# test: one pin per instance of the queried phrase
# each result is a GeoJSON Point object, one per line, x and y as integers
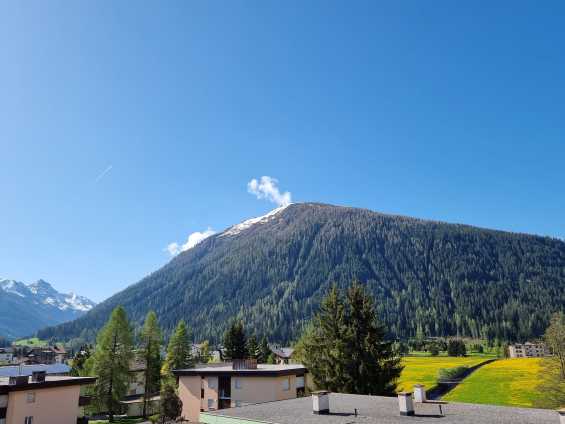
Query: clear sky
{"type": "Point", "coordinates": [126, 126]}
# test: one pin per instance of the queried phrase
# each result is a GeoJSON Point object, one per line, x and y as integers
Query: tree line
{"type": "Point", "coordinates": [115, 352]}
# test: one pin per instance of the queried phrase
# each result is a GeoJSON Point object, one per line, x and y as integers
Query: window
{"type": "Point", "coordinates": [210, 404]}
{"type": "Point", "coordinates": [237, 403]}
{"type": "Point", "coordinates": [237, 383]}
{"type": "Point", "coordinates": [286, 384]}
{"type": "Point", "coordinates": [300, 381]}
{"type": "Point", "coordinates": [202, 393]}
{"type": "Point", "coordinates": [212, 382]}
{"type": "Point", "coordinates": [28, 420]}
{"type": "Point", "coordinates": [30, 397]}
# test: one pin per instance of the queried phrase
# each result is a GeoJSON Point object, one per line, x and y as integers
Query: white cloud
{"type": "Point", "coordinates": [193, 239]}
{"type": "Point", "coordinates": [267, 188]}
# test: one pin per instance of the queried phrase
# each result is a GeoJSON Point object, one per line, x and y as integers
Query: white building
{"type": "Point", "coordinates": [528, 350]}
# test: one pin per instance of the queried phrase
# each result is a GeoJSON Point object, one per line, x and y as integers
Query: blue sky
{"type": "Point", "coordinates": [127, 126]}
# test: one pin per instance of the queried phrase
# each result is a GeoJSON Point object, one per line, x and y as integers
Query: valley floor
{"type": "Point", "coordinates": [424, 369]}
{"type": "Point", "coordinates": [507, 382]}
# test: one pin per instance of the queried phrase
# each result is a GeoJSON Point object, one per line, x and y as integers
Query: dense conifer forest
{"type": "Point", "coordinates": [428, 278]}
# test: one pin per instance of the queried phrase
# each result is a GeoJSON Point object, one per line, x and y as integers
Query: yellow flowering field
{"type": "Point", "coordinates": [509, 382]}
{"type": "Point", "coordinates": [424, 369]}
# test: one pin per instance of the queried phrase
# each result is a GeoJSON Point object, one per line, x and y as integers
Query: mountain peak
{"type": "Point", "coordinates": [242, 226]}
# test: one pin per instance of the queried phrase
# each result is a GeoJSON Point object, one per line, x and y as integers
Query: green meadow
{"type": "Point", "coordinates": [33, 341]}
{"type": "Point", "coordinates": [424, 369]}
{"type": "Point", "coordinates": [507, 382]}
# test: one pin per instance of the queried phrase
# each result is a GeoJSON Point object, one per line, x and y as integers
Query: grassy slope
{"type": "Point", "coordinates": [424, 369]}
{"type": "Point", "coordinates": [34, 341]}
{"type": "Point", "coordinates": [509, 382]}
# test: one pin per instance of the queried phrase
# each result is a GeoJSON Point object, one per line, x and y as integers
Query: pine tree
{"type": "Point", "coordinates": [179, 352]}
{"type": "Point", "coordinates": [170, 404]}
{"type": "Point", "coordinates": [252, 347]}
{"type": "Point", "coordinates": [372, 365]}
{"type": "Point", "coordinates": [263, 351]}
{"type": "Point", "coordinates": [150, 353]}
{"type": "Point", "coordinates": [235, 342]}
{"type": "Point", "coordinates": [322, 346]}
{"type": "Point", "coordinates": [111, 361]}
{"type": "Point", "coordinates": [344, 347]}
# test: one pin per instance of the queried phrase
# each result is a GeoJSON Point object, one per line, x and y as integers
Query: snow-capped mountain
{"type": "Point", "coordinates": [24, 308]}
{"type": "Point", "coordinates": [238, 228]}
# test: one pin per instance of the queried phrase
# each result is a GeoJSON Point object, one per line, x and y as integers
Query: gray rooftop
{"type": "Point", "coordinates": [14, 370]}
{"type": "Point", "coordinates": [227, 368]}
{"type": "Point", "coordinates": [384, 410]}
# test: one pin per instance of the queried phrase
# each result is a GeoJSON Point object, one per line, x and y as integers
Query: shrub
{"type": "Point", "coordinates": [451, 373]}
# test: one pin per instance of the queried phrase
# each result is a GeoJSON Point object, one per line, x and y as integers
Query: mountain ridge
{"type": "Point", "coordinates": [28, 307]}
{"type": "Point", "coordinates": [428, 276]}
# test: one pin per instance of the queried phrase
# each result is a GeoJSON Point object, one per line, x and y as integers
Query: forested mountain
{"type": "Point", "coordinates": [427, 277]}
{"type": "Point", "coordinates": [25, 308]}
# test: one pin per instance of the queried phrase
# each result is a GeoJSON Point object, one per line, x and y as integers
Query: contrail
{"type": "Point", "coordinates": [103, 174]}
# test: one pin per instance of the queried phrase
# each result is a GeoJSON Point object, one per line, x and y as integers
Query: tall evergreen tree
{"type": "Point", "coordinates": [345, 349]}
{"type": "Point", "coordinates": [170, 404]}
{"type": "Point", "coordinates": [150, 353]}
{"type": "Point", "coordinates": [235, 342]}
{"type": "Point", "coordinates": [372, 365]}
{"type": "Point", "coordinates": [252, 347]}
{"type": "Point", "coordinates": [322, 346]}
{"type": "Point", "coordinates": [179, 352]}
{"type": "Point", "coordinates": [263, 351]}
{"type": "Point", "coordinates": [111, 361]}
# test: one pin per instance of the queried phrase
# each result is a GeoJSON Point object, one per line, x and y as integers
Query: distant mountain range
{"type": "Point", "coordinates": [25, 308]}
{"type": "Point", "coordinates": [428, 278]}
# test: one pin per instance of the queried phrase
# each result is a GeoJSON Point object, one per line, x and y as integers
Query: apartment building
{"type": "Point", "coordinates": [133, 402]}
{"type": "Point", "coordinates": [236, 384]}
{"type": "Point", "coordinates": [528, 350]}
{"type": "Point", "coordinates": [41, 399]}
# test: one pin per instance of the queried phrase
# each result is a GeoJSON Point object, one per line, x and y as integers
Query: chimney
{"type": "Point", "coordinates": [561, 413]}
{"type": "Point", "coordinates": [38, 376]}
{"type": "Point", "coordinates": [405, 404]}
{"type": "Point", "coordinates": [18, 380]}
{"type": "Point", "coordinates": [419, 393]}
{"type": "Point", "coordinates": [321, 402]}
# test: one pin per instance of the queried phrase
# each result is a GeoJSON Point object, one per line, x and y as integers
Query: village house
{"type": "Point", "coordinates": [39, 355]}
{"type": "Point", "coordinates": [41, 399]}
{"type": "Point", "coordinates": [235, 384]}
{"type": "Point", "coordinates": [528, 350]}
{"type": "Point", "coordinates": [283, 355]}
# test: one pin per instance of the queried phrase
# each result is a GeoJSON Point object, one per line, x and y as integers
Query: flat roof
{"type": "Point", "coordinates": [263, 370]}
{"type": "Point", "coordinates": [14, 370]}
{"type": "Point", "coordinates": [50, 381]}
{"type": "Point", "coordinates": [384, 410]}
